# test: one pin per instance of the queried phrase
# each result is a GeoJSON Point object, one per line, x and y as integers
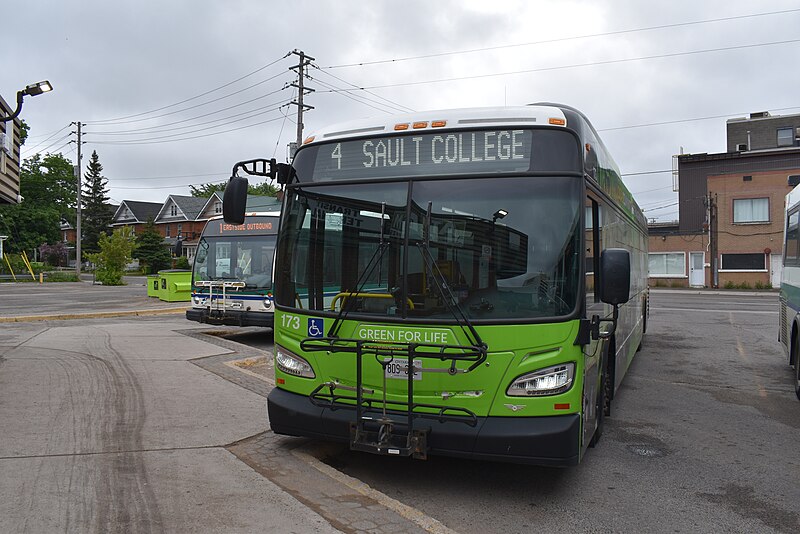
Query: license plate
{"type": "Point", "coordinates": [398, 368]}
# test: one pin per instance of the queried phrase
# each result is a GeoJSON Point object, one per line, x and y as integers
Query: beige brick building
{"type": "Point", "coordinates": [731, 210]}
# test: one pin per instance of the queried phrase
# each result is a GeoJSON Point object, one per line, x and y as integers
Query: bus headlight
{"type": "Point", "coordinates": [292, 364]}
{"type": "Point", "coordinates": [549, 381]}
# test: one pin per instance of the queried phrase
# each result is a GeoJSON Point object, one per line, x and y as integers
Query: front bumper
{"type": "Point", "coordinates": [231, 317]}
{"type": "Point", "coordinates": [552, 441]}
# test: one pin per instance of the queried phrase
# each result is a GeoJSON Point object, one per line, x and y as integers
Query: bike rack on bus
{"type": "Point", "coordinates": [216, 301]}
{"type": "Point", "coordinates": [377, 434]}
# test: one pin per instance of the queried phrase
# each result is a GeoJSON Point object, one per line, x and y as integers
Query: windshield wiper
{"type": "Point", "coordinates": [374, 261]}
{"type": "Point", "coordinates": [450, 301]}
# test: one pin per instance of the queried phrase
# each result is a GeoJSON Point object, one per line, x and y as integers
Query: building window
{"type": "Point", "coordinates": [667, 264]}
{"type": "Point", "coordinates": [785, 137]}
{"type": "Point", "coordinates": [180, 230]}
{"type": "Point", "coordinates": [217, 207]}
{"type": "Point", "coordinates": [744, 262]}
{"type": "Point", "coordinates": [751, 210]}
{"type": "Point", "coordinates": [166, 231]}
{"type": "Point", "coordinates": [173, 211]}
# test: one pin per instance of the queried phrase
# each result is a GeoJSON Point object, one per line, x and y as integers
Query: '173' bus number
{"type": "Point", "coordinates": [291, 321]}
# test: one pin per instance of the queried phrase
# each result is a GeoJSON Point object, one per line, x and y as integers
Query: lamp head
{"type": "Point", "coordinates": [35, 89]}
{"type": "Point", "coordinates": [499, 214]}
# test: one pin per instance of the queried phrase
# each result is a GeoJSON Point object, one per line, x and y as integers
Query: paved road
{"type": "Point", "coordinates": [69, 298]}
{"type": "Point", "coordinates": [704, 437]}
{"type": "Point", "coordinates": [109, 427]}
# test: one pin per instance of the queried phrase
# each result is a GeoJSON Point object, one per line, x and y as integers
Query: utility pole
{"type": "Point", "coordinates": [303, 62]}
{"type": "Point", "coordinates": [78, 205]}
{"type": "Point", "coordinates": [713, 237]}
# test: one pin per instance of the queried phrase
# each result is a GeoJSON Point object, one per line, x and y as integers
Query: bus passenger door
{"type": "Point", "coordinates": [593, 352]}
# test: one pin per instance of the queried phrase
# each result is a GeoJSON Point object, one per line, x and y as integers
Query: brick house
{"type": "Point", "coordinates": [731, 209]}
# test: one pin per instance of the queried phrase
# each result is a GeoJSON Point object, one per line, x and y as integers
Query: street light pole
{"type": "Point", "coordinates": [33, 89]}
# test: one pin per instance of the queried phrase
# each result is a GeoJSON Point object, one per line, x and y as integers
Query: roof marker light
{"type": "Point", "coordinates": [420, 124]}
{"type": "Point", "coordinates": [439, 124]}
{"type": "Point", "coordinates": [557, 122]}
{"type": "Point", "coordinates": [308, 140]}
{"type": "Point", "coordinates": [403, 126]}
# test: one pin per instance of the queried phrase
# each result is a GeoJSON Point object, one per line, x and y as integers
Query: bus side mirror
{"type": "Point", "coordinates": [615, 276]}
{"type": "Point", "coordinates": [283, 173]}
{"type": "Point", "coordinates": [234, 201]}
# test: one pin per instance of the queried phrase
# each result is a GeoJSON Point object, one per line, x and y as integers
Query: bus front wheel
{"type": "Point", "coordinates": [797, 377]}
{"type": "Point", "coordinates": [603, 398]}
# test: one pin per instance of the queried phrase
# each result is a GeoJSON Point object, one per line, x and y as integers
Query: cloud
{"type": "Point", "coordinates": [111, 60]}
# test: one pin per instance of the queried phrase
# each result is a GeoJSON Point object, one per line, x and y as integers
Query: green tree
{"type": "Point", "coordinates": [206, 190]}
{"type": "Point", "coordinates": [115, 254]}
{"type": "Point", "coordinates": [150, 249]}
{"type": "Point", "coordinates": [96, 210]}
{"type": "Point", "coordinates": [48, 188]}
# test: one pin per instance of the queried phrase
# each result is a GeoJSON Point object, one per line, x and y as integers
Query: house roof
{"type": "Point", "coordinates": [190, 207]}
{"type": "Point", "coordinates": [141, 211]}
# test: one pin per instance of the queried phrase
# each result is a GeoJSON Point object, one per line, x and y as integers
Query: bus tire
{"type": "Point", "coordinates": [796, 351]}
{"type": "Point", "coordinates": [797, 380]}
{"type": "Point", "coordinates": [600, 402]}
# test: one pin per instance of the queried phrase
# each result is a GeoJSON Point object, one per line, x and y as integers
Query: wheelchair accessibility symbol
{"type": "Point", "coordinates": [316, 327]}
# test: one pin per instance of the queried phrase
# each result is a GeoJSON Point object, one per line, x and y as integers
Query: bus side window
{"type": "Point", "coordinates": [792, 248]}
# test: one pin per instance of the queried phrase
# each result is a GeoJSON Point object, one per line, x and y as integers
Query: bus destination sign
{"type": "Point", "coordinates": [494, 151]}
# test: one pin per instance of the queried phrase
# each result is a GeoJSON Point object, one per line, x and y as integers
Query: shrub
{"type": "Point", "coordinates": [182, 262]}
{"type": "Point", "coordinates": [730, 285]}
{"type": "Point", "coordinates": [745, 285]}
{"type": "Point", "coordinates": [759, 285]}
{"type": "Point", "coordinates": [55, 254]}
{"type": "Point", "coordinates": [62, 276]}
{"type": "Point", "coordinates": [114, 255]}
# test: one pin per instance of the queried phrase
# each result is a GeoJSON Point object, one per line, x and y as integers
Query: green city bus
{"type": "Point", "coordinates": [469, 282]}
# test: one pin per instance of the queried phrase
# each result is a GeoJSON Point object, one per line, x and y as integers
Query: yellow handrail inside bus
{"type": "Point", "coordinates": [345, 295]}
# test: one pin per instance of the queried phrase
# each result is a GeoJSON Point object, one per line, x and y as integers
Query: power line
{"type": "Point", "coordinates": [393, 105]}
{"type": "Point", "coordinates": [46, 140]}
{"type": "Point", "coordinates": [573, 66]}
{"type": "Point", "coordinates": [662, 123]}
{"type": "Point", "coordinates": [176, 186]}
{"type": "Point", "coordinates": [198, 96]}
{"type": "Point", "coordinates": [164, 140]}
{"type": "Point", "coordinates": [137, 178]}
{"type": "Point", "coordinates": [249, 115]}
{"type": "Point", "coordinates": [99, 123]}
{"type": "Point", "coordinates": [562, 39]}
{"type": "Point", "coordinates": [358, 99]}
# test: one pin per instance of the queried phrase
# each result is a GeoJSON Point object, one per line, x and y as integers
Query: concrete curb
{"type": "Point", "coordinates": [91, 315]}
{"type": "Point", "coordinates": [769, 293]}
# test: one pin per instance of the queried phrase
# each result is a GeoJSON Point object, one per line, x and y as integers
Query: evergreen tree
{"type": "Point", "coordinates": [97, 214]}
{"type": "Point", "coordinates": [150, 249]}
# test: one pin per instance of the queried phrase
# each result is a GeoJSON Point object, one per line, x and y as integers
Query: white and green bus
{"type": "Point", "coordinates": [466, 282]}
{"type": "Point", "coordinates": [232, 272]}
{"type": "Point", "coordinates": [789, 331]}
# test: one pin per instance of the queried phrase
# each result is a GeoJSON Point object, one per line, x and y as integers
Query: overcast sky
{"type": "Point", "coordinates": [652, 77]}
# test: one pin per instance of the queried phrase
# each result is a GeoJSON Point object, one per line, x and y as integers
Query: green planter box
{"type": "Point", "coordinates": [153, 285]}
{"type": "Point", "coordinates": [175, 285]}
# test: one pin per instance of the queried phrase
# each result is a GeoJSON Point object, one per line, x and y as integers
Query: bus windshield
{"type": "Point", "coordinates": [500, 248]}
{"type": "Point", "coordinates": [247, 259]}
